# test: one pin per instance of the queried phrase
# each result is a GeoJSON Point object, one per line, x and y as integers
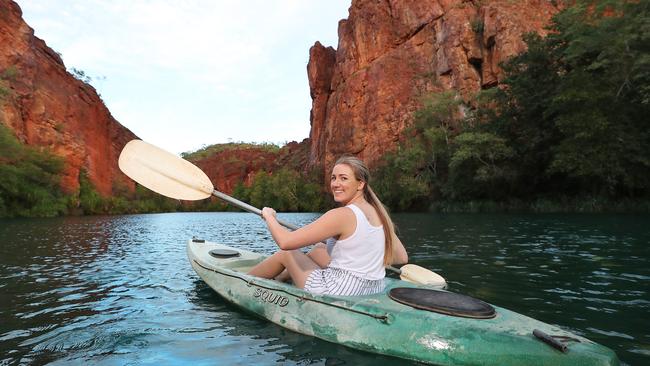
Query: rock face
{"type": "Point", "coordinates": [239, 165]}
{"type": "Point", "coordinates": [393, 52]}
{"type": "Point", "coordinates": [229, 167]}
{"type": "Point", "coordinates": [47, 106]}
{"type": "Point", "coordinates": [364, 93]}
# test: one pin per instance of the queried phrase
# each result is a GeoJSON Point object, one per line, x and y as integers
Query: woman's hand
{"type": "Point", "coordinates": [268, 212]}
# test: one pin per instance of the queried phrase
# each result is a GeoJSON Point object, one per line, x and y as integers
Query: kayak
{"type": "Point", "coordinates": [388, 324]}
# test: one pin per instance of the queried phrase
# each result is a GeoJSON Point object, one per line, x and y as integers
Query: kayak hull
{"type": "Point", "coordinates": [377, 324]}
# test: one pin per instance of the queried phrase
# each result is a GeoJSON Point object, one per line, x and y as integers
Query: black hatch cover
{"type": "Point", "coordinates": [443, 302]}
{"type": "Point", "coordinates": [224, 253]}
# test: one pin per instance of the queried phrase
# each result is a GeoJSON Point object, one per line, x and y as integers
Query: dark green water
{"type": "Point", "coordinates": [119, 290]}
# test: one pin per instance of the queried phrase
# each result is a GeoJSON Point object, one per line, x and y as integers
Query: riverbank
{"type": "Point", "coordinates": [551, 205]}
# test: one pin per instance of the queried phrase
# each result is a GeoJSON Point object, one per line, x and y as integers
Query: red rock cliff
{"type": "Point", "coordinates": [392, 52]}
{"type": "Point", "coordinates": [239, 165]}
{"type": "Point", "coordinates": [47, 106]}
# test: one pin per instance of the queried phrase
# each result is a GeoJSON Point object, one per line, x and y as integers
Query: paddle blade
{"type": "Point", "coordinates": [164, 172]}
{"type": "Point", "coordinates": [417, 274]}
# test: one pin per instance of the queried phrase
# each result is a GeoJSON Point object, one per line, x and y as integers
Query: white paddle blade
{"type": "Point", "coordinates": [164, 172]}
{"type": "Point", "coordinates": [417, 274]}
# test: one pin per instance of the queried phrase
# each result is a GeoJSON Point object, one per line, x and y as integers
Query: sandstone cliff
{"type": "Point", "coordinates": [47, 106]}
{"type": "Point", "coordinates": [239, 165]}
{"type": "Point", "coordinates": [392, 52]}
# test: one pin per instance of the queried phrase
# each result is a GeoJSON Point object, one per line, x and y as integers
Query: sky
{"type": "Point", "coordinates": [186, 74]}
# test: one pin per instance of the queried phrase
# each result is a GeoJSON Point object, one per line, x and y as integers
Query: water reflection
{"type": "Point", "coordinates": [116, 290]}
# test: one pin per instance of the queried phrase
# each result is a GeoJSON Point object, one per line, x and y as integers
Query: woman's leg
{"type": "Point", "coordinates": [296, 263]}
{"type": "Point", "coordinates": [318, 254]}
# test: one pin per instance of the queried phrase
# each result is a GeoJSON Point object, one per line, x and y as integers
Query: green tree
{"type": "Point", "coordinates": [603, 100]}
{"type": "Point", "coordinates": [260, 193]}
{"type": "Point", "coordinates": [90, 201]}
{"type": "Point", "coordinates": [574, 107]}
{"type": "Point", "coordinates": [522, 117]}
{"type": "Point", "coordinates": [284, 190]}
{"type": "Point", "coordinates": [478, 167]}
{"type": "Point", "coordinates": [416, 173]}
{"type": "Point", "coordinates": [29, 179]}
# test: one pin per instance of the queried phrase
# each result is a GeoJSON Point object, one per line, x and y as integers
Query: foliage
{"type": "Point", "coordinates": [81, 75]}
{"type": "Point", "coordinates": [568, 126]}
{"type": "Point", "coordinates": [420, 166]}
{"type": "Point", "coordinates": [90, 201]}
{"type": "Point", "coordinates": [30, 186]}
{"type": "Point", "coordinates": [4, 90]}
{"type": "Point", "coordinates": [604, 97]}
{"type": "Point", "coordinates": [478, 26]}
{"type": "Point", "coordinates": [402, 182]}
{"type": "Point", "coordinates": [146, 201]}
{"type": "Point", "coordinates": [577, 102]}
{"type": "Point", "coordinates": [216, 148]}
{"type": "Point", "coordinates": [29, 179]}
{"type": "Point", "coordinates": [8, 74]}
{"type": "Point", "coordinates": [284, 190]}
{"type": "Point", "coordinates": [477, 168]}
{"type": "Point", "coordinates": [142, 200]}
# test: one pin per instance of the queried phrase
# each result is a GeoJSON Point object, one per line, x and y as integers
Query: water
{"type": "Point", "coordinates": [119, 290]}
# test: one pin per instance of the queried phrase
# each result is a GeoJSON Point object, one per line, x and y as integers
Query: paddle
{"type": "Point", "coordinates": [174, 177]}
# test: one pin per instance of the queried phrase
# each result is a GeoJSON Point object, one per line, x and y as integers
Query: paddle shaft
{"type": "Point", "coordinates": [246, 207]}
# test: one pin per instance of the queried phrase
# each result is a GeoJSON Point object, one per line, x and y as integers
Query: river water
{"type": "Point", "coordinates": [116, 290]}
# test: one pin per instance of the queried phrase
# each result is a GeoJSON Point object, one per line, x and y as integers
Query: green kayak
{"type": "Point", "coordinates": [389, 325]}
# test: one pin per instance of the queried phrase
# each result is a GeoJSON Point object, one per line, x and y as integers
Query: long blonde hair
{"type": "Point", "coordinates": [362, 173]}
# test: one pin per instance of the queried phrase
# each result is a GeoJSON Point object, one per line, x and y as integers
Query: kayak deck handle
{"type": "Point", "coordinates": [553, 340]}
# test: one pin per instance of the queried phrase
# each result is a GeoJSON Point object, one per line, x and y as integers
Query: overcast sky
{"type": "Point", "coordinates": [182, 74]}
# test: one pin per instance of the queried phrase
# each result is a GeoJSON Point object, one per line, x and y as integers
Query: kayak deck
{"type": "Point", "coordinates": [375, 323]}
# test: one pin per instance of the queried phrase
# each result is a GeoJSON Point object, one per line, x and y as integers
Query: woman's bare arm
{"type": "Point", "coordinates": [399, 252]}
{"type": "Point", "coordinates": [332, 224]}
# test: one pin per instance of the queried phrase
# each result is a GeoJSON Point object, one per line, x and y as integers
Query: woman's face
{"type": "Point", "coordinates": [344, 184]}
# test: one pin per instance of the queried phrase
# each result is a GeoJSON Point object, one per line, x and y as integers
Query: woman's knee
{"type": "Point", "coordinates": [284, 256]}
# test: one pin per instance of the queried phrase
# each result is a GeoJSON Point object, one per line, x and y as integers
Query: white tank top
{"type": "Point", "coordinates": [362, 253]}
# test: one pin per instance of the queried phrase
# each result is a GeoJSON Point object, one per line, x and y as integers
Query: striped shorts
{"type": "Point", "coordinates": [336, 281]}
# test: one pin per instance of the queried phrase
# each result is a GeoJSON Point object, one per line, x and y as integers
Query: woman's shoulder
{"type": "Point", "coordinates": [338, 215]}
{"type": "Point", "coordinates": [344, 211]}
{"type": "Point", "coordinates": [335, 221]}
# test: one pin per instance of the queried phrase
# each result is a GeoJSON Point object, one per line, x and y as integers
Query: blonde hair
{"type": "Point", "coordinates": [362, 173]}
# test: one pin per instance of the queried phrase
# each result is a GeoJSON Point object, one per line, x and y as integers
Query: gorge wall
{"type": "Point", "coordinates": [47, 106]}
{"type": "Point", "coordinates": [391, 53]}
{"type": "Point", "coordinates": [239, 165]}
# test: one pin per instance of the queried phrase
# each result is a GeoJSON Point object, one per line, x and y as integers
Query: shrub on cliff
{"type": "Point", "coordinates": [29, 179]}
{"type": "Point", "coordinates": [7, 75]}
{"type": "Point", "coordinates": [210, 150]}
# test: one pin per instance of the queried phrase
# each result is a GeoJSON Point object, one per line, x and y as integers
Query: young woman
{"type": "Point", "coordinates": [360, 239]}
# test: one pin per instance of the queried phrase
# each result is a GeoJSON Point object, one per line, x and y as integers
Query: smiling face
{"type": "Point", "coordinates": [344, 184]}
